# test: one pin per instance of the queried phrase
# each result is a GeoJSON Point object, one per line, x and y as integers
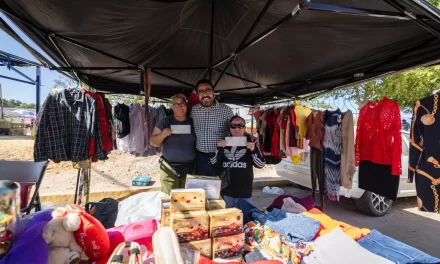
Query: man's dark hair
{"type": "Point", "coordinates": [204, 81]}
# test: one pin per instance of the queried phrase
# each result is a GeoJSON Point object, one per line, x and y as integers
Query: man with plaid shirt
{"type": "Point", "coordinates": [211, 121]}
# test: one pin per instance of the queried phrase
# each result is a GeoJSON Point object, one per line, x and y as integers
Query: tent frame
{"type": "Point", "coordinates": [401, 13]}
{"type": "Point", "coordinates": [37, 82]}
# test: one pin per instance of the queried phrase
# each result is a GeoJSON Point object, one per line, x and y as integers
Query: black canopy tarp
{"type": "Point", "coordinates": [278, 48]}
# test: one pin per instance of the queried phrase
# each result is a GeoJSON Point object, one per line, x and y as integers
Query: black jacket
{"type": "Point", "coordinates": [122, 120]}
{"type": "Point", "coordinates": [240, 160]}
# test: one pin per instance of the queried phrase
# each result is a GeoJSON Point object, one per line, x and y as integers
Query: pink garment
{"type": "Point", "coordinates": [291, 206]}
{"type": "Point", "coordinates": [307, 201]}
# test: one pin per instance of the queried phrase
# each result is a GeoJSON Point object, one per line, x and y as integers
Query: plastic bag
{"type": "Point", "coordinates": [140, 207]}
{"type": "Point", "coordinates": [189, 256]}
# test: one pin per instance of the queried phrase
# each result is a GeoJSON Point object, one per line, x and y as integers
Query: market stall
{"type": "Point", "coordinates": [254, 52]}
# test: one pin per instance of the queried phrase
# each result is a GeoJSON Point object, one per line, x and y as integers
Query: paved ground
{"type": "Point", "coordinates": [404, 222]}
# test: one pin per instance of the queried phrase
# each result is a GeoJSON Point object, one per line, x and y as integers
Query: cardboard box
{"type": "Point", "coordinates": [226, 222]}
{"type": "Point", "coordinates": [190, 225]}
{"type": "Point", "coordinates": [228, 247]}
{"type": "Point", "coordinates": [215, 205]}
{"type": "Point", "coordinates": [165, 210]}
{"type": "Point", "coordinates": [204, 246]}
{"type": "Point", "coordinates": [141, 181]}
{"type": "Point", "coordinates": [188, 200]}
{"type": "Point", "coordinates": [212, 185]}
{"type": "Point", "coordinates": [165, 215]}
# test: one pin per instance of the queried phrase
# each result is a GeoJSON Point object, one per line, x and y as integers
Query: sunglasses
{"type": "Point", "coordinates": [233, 126]}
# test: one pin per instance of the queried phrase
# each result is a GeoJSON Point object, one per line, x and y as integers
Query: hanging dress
{"type": "Point", "coordinates": [332, 154]}
{"type": "Point", "coordinates": [424, 153]}
{"type": "Point", "coordinates": [379, 148]}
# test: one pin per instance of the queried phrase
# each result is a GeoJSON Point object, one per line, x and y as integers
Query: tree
{"type": "Point", "coordinates": [405, 88]}
{"type": "Point", "coordinates": [63, 82]}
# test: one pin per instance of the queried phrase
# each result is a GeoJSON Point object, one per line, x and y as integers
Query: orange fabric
{"type": "Point", "coordinates": [204, 260]}
{"type": "Point", "coordinates": [328, 224]}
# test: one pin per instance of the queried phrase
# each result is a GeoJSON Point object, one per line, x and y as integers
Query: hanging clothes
{"type": "Point", "coordinates": [301, 114]}
{"type": "Point", "coordinates": [106, 139]}
{"type": "Point", "coordinates": [152, 120]}
{"type": "Point", "coordinates": [66, 125]}
{"type": "Point", "coordinates": [315, 135]}
{"type": "Point", "coordinates": [122, 120]}
{"type": "Point", "coordinates": [348, 157]}
{"type": "Point", "coordinates": [134, 142]}
{"type": "Point", "coordinates": [424, 153]}
{"type": "Point", "coordinates": [379, 148]}
{"type": "Point", "coordinates": [332, 154]}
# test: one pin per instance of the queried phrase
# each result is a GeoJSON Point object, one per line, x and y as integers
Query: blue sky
{"type": "Point", "coordinates": [21, 91]}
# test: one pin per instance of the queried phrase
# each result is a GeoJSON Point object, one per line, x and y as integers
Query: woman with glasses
{"type": "Point", "coordinates": [175, 135]}
{"type": "Point", "coordinates": [240, 161]}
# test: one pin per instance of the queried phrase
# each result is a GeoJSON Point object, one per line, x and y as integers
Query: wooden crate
{"type": "Point", "coordinates": [18, 132]}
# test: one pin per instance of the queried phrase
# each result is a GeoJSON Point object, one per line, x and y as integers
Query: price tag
{"type": "Point", "coordinates": [181, 129]}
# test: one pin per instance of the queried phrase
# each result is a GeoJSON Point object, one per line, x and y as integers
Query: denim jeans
{"type": "Point", "coordinates": [394, 250]}
{"type": "Point", "coordinates": [247, 209]}
{"type": "Point", "coordinates": [232, 201]}
{"type": "Point", "coordinates": [294, 227]}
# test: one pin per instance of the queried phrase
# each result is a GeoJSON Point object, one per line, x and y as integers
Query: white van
{"type": "Point", "coordinates": [367, 202]}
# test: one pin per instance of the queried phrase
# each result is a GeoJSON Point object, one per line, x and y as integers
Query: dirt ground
{"type": "Point", "coordinates": [111, 175]}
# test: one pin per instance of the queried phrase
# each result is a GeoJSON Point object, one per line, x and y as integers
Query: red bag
{"type": "Point", "coordinates": [91, 236]}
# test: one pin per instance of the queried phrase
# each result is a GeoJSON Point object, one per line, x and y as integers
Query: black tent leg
{"type": "Point", "coordinates": [211, 50]}
{"type": "Point", "coordinates": [398, 6]}
{"type": "Point", "coordinates": [248, 35]}
{"type": "Point", "coordinates": [76, 188]}
{"type": "Point", "coordinates": [71, 41]}
{"type": "Point", "coordinates": [174, 79]}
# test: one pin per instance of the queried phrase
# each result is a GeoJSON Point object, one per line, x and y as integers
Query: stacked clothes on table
{"type": "Point", "coordinates": [312, 237]}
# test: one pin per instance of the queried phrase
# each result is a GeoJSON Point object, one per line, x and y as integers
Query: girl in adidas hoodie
{"type": "Point", "coordinates": [240, 161]}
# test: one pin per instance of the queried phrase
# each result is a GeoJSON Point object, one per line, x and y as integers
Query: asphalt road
{"type": "Point", "coordinates": [404, 223]}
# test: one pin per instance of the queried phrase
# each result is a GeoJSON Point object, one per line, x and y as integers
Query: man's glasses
{"type": "Point", "coordinates": [179, 105]}
{"type": "Point", "coordinates": [201, 92]}
{"type": "Point", "coordinates": [233, 126]}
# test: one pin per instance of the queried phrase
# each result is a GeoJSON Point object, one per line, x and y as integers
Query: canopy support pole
{"type": "Point", "coordinates": [71, 41]}
{"type": "Point", "coordinates": [38, 89]}
{"type": "Point", "coordinates": [242, 44]}
{"type": "Point", "coordinates": [173, 79]}
{"type": "Point", "coordinates": [414, 17]}
{"type": "Point", "coordinates": [211, 46]}
{"type": "Point", "coordinates": [62, 55]}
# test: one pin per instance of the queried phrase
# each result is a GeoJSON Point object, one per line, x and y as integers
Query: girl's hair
{"type": "Point", "coordinates": [237, 117]}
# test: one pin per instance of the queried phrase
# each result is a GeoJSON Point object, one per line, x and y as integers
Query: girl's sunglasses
{"type": "Point", "coordinates": [241, 126]}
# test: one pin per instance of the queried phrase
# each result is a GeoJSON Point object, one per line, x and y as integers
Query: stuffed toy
{"type": "Point", "coordinates": [91, 235]}
{"type": "Point", "coordinates": [58, 234]}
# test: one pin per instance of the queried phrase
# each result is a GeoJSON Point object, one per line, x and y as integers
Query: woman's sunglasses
{"type": "Point", "coordinates": [241, 126]}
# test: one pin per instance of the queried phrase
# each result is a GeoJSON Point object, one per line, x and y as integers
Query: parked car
{"type": "Point", "coordinates": [367, 202]}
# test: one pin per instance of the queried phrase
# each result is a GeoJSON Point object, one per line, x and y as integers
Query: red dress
{"type": "Point", "coordinates": [378, 137]}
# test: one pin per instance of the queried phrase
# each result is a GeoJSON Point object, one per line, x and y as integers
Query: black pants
{"type": "Point", "coordinates": [317, 173]}
{"type": "Point", "coordinates": [204, 166]}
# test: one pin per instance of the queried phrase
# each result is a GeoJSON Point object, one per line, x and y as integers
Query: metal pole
{"type": "Point", "coordinates": [211, 49]}
{"type": "Point", "coordinates": [1, 100]}
{"type": "Point", "coordinates": [252, 121]}
{"type": "Point", "coordinates": [38, 81]}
